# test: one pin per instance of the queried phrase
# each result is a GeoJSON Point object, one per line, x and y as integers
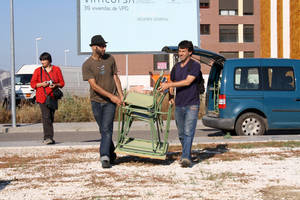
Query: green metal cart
{"type": "Point", "coordinates": [147, 108]}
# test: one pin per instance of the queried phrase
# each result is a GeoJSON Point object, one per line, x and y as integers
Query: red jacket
{"type": "Point", "coordinates": [56, 77]}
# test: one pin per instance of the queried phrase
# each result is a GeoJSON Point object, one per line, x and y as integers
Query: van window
{"type": "Point", "coordinates": [280, 78]}
{"type": "Point", "coordinates": [246, 78]}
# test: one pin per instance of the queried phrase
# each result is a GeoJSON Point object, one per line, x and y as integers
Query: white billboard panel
{"type": "Point", "coordinates": [133, 26]}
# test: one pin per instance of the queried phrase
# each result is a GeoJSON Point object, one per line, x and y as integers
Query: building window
{"type": "Point", "coordinates": [228, 7]}
{"type": "Point", "coordinates": [248, 7]}
{"type": "Point", "coordinates": [280, 78]}
{"type": "Point", "coordinates": [228, 12]}
{"type": "Point", "coordinates": [161, 61]}
{"type": "Point", "coordinates": [204, 29]}
{"type": "Point", "coordinates": [204, 3]}
{"type": "Point", "coordinates": [248, 33]}
{"type": "Point", "coordinates": [229, 54]}
{"type": "Point", "coordinates": [246, 78]}
{"type": "Point", "coordinates": [228, 33]}
{"type": "Point", "coordinates": [248, 54]}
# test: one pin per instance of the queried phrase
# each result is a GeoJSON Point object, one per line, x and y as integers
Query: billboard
{"type": "Point", "coordinates": [137, 26]}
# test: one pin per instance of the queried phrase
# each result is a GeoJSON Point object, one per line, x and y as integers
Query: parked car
{"type": "Point", "coordinates": [22, 83]}
{"type": "Point", "coordinates": [251, 96]}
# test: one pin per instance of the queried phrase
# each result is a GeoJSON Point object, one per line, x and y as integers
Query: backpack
{"type": "Point", "coordinates": [200, 80]}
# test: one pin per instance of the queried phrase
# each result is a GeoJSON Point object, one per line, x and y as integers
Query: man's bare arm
{"type": "Point", "coordinates": [186, 82]}
{"type": "Point", "coordinates": [103, 92]}
{"type": "Point", "coordinates": [119, 86]}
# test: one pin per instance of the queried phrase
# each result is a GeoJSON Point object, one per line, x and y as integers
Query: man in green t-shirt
{"type": "Point", "coordinates": [100, 71]}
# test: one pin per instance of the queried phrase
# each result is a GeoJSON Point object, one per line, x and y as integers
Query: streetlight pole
{"type": "Point", "coordinates": [12, 74]}
{"type": "Point", "coordinates": [36, 50]}
{"type": "Point", "coordinates": [66, 51]}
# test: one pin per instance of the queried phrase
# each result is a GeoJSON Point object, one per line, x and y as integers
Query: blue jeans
{"type": "Point", "coordinates": [104, 114]}
{"type": "Point", "coordinates": [186, 121]}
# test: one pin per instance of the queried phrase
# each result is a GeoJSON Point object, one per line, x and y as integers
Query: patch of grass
{"type": "Point", "coordinates": [248, 145]}
{"type": "Point", "coordinates": [70, 109]}
{"type": "Point", "coordinates": [149, 193]}
{"type": "Point", "coordinates": [112, 197]}
{"type": "Point", "coordinates": [192, 180]}
{"type": "Point", "coordinates": [204, 152]}
{"type": "Point", "coordinates": [281, 192]}
{"type": "Point", "coordinates": [241, 177]}
{"type": "Point", "coordinates": [74, 109]}
{"type": "Point", "coordinates": [277, 157]}
{"type": "Point", "coordinates": [98, 182]}
{"type": "Point", "coordinates": [5, 115]}
{"type": "Point", "coordinates": [28, 113]}
{"type": "Point", "coordinates": [227, 136]}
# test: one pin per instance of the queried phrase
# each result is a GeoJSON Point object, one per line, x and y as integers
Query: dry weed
{"type": "Point", "coordinates": [281, 192]}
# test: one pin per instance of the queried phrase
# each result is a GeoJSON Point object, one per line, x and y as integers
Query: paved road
{"type": "Point", "coordinates": [73, 134]}
{"type": "Point", "coordinates": [80, 138]}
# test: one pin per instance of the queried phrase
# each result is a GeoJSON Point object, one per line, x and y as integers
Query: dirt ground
{"type": "Point", "coordinates": [219, 172]}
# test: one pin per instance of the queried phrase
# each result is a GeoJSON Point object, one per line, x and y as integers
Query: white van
{"type": "Point", "coordinates": [22, 81]}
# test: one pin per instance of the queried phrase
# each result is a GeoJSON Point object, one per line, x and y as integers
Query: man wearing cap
{"type": "Point", "coordinates": [100, 70]}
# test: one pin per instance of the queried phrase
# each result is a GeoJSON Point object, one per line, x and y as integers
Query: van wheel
{"type": "Point", "coordinates": [250, 124]}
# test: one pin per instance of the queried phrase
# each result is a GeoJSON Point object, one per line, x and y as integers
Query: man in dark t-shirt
{"type": "Point", "coordinates": [184, 77]}
{"type": "Point", "coordinates": [100, 71]}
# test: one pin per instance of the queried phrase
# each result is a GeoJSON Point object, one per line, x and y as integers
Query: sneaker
{"type": "Point", "coordinates": [105, 161]}
{"type": "Point", "coordinates": [105, 164]}
{"type": "Point", "coordinates": [48, 141]}
{"type": "Point", "coordinates": [180, 161]}
{"type": "Point", "coordinates": [186, 163]}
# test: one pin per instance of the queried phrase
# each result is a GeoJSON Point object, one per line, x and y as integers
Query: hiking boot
{"type": "Point", "coordinates": [48, 141]}
{"type": "Point", "coordinates": [186, 162]}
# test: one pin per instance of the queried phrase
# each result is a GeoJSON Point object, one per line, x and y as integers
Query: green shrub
{"type": "Point", "coordinates": [74, 109]}
{"type": "Point", "coordinates": [70, 109]}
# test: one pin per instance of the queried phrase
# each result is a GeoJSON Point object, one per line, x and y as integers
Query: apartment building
{"type": "Point", "coordinates": [235, 29]}
{"type": "Point", "coordinates": [230, 27]}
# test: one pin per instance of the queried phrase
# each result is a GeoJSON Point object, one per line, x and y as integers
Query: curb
{"type": "Point", "coordinates": [79, 127]}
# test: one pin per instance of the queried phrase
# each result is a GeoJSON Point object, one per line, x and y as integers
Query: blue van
{"type": "Point", "coordinates": [251, 96]}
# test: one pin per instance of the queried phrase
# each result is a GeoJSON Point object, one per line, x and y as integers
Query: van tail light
{"type": "Point", "coordinates": [222, 101]}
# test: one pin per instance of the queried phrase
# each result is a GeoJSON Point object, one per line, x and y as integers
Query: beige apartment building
{"type": "Point", "coordinates": [230, 27]}
{"type": "Point", "coordinates": [235, 29]}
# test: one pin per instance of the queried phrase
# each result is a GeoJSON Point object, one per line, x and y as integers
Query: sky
{"type": "Point", "coordinates": [55, 21]}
